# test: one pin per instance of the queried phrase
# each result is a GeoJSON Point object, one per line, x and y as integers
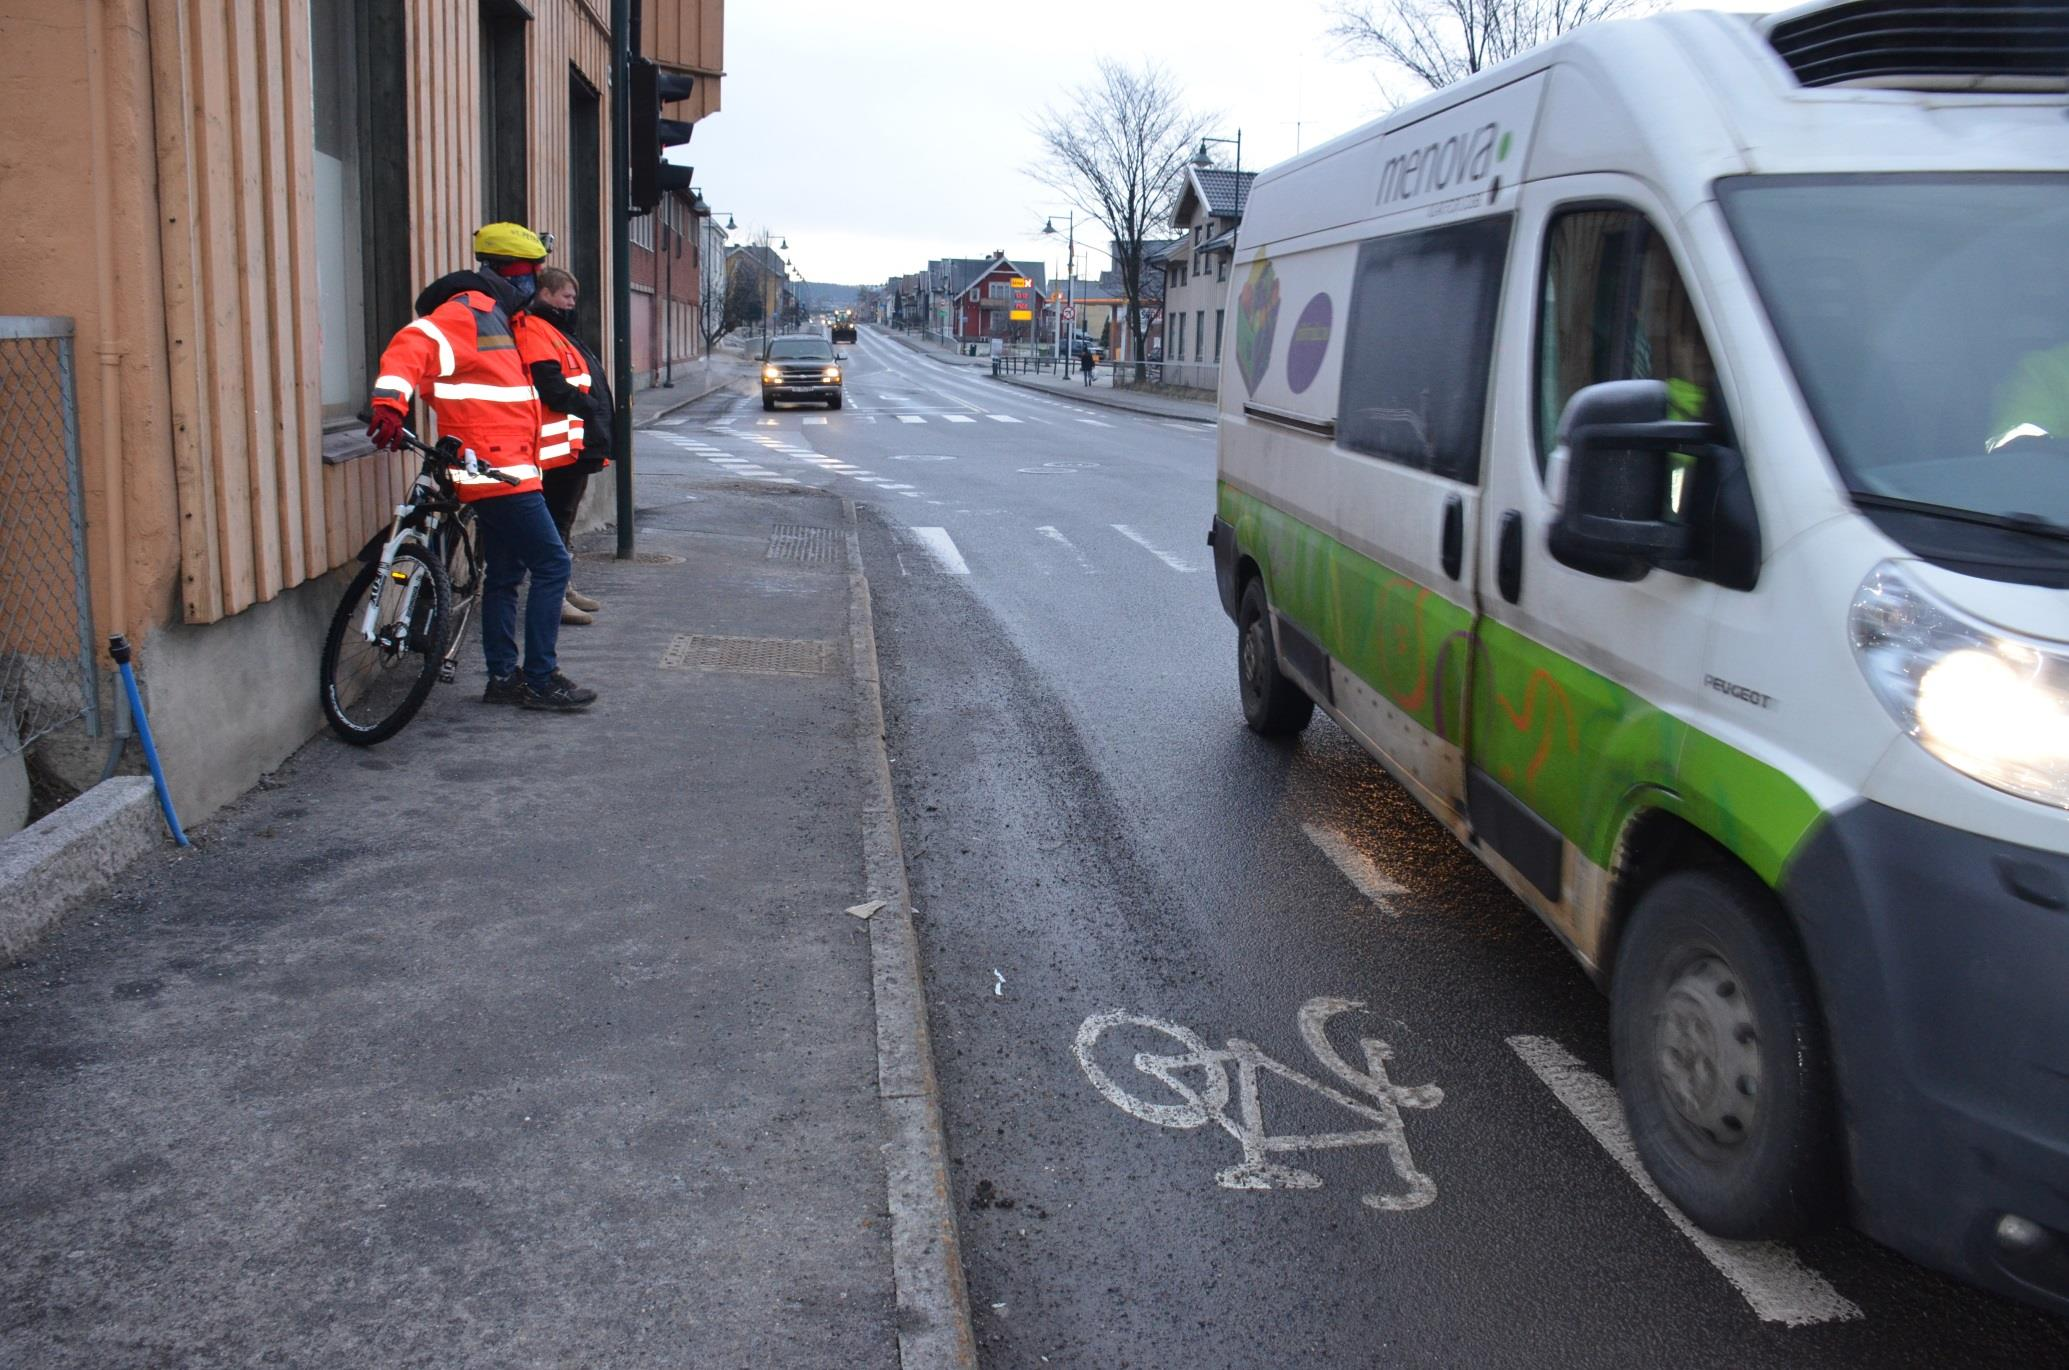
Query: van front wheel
{"type": "Point", "coordinates": [1273, 706]}
{"type": "Point", "coordinates": [1720, 1060]}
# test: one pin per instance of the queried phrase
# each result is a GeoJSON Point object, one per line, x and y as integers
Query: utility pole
{"type": "Point", "coordinates": [667, 295]}
{"type": "Point", "coordinates": [624, 38]}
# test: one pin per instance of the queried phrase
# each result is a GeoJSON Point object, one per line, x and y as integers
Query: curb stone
{"type": "Point", "coordinates": [926, 1254]}
{"type": "Point", "coordinates": [68, 857]}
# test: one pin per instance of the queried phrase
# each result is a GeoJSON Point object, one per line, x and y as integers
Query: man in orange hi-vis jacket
{"type": "Point", "coordinates": [461, 356]}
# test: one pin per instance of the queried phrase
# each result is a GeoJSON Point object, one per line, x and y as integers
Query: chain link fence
{"type": "Point", "coordinates": [47, 675]}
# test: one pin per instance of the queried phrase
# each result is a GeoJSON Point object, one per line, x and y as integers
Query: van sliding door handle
{"type": "Point", "coordinates": [1453, 547]}
{"type": "Point", "coordinates": [1508, 557]}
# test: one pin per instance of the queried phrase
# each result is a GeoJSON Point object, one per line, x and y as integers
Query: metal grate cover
{"type": "Point", "coordinates": [748, 655]}
{"type": "Point", "coordinates": [805, 543]}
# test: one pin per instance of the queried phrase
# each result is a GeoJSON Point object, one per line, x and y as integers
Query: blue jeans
{"type": "Point", "coordinates": [518, 536]}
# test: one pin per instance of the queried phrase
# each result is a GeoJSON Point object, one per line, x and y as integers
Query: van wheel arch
{"type": "Point", "coordinates": [1654, 845]}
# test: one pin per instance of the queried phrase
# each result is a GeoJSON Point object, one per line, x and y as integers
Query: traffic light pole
{"type": "Point", "coordinates": [621, 261]}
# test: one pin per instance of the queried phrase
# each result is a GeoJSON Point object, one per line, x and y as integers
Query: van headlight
{"type": "Point", "coordinates": [832, 373]}
{"type": "Point", "coordinates": [1989, 704]}
{"type": "Point", "coordinates": [770, 373]}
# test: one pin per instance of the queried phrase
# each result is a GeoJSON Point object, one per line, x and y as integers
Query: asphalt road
{"type": "Point", "coordinates": [1115, 879]}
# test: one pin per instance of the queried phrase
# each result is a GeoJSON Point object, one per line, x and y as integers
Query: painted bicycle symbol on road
{"type": "Point", "coordinates": [1369, 1094]}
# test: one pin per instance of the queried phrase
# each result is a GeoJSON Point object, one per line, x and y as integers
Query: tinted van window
{"type": "Point", "coordinates": [1612, 308]}
{"type": "Point", "coordinates": [1419, 343]}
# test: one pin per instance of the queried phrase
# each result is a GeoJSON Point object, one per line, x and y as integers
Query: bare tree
{"type": "Point", "coordinates": [1442, 41]}
{"type": "Point", "coordinates": [1118, 149]}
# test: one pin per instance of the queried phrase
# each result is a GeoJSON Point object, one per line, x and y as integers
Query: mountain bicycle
{"type": "Point", "coordinates": [397, 632]}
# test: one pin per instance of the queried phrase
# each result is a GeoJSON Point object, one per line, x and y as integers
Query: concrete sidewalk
{"type": "Point", "coordinates": [521, 1039]}
{"type": "Point", "coordinates": [693, 382]}
{"type": "Point", "coordinates": [1140, 402]}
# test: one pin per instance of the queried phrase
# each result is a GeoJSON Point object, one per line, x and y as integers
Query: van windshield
{"type": "Point", "coordinates": [812, 349]}
{"type": "Point", "coordinates": [1927, 321]}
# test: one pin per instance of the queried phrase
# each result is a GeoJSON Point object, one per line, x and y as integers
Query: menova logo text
{"type": "Point", "coordinates": [1460, 162]}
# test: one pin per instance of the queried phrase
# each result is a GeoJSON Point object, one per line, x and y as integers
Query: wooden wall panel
{"type": "Point", "coordinates": [231, 90]}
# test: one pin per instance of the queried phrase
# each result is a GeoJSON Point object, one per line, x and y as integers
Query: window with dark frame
{"type": "Point", "coordinates": [361, 220]}
{"type": "Point", "coordinates": [1611, 307]}
{"type": "Point", "coordinates": [1419, 346]}
{"type": "Point", "coordinates": [504, 153]}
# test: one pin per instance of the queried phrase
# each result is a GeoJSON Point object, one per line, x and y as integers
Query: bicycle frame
{"type": "Point", "coordinates": [402, 530]}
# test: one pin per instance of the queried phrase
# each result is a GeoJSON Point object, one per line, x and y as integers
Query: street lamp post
{"type": "Point", "coordinates": [1070, 275]}
{"type": "Point", "coordinates": [1203, 161]}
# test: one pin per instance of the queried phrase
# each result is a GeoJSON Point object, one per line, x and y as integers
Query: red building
{"type": "Point", "coordinates": [984, 297]}
{"type": "Point", "coordinates": [665, 272]}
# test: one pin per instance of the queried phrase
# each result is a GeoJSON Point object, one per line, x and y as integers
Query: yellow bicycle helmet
{"type": "Point", "coordinates": [513, 241]}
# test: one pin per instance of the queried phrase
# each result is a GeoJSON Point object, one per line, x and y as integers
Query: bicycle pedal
{"type": "Point", "coordinates": [447, 673]}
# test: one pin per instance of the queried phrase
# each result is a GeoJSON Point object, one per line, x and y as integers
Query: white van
{"type": "Point", "coordinates": [1655, 451]}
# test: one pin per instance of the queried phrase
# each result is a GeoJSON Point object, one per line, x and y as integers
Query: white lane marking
{"type": "Point", "coordinates": [896, 485]}
{"type": "Point", "coordinates": [1002, 418]}
{"type": "Point", "coordinates": [958, 418]}
{"type": "Point", "coordinates": [1176, 563]}
{"type": "Point", "coordinates": [1779, 1287]}
{"type": "Point", "coordinates": [940, 546]}
{"type": "Point", "coordinates": [1210, 1102]}
{"type": "Point", "coordinates": [1054, 536]}
{"type": "Point", "coordinates": [815, 419]}
{"type": "Point", "coordinates": [1358, 868]}
{"type": "Point", "coordinates": [768, 423]}
{"type": "Point", "coordinates": [872, 480]}
{"type": "Point", "coordinates": [910, 494]}
{"type": "Point", "coordinates": [910, 418]}
{"type": "Point", "coordinates": [1096, 423]}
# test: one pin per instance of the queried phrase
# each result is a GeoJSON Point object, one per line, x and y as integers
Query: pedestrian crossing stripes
{"type": "Point", "coordinates": [959, 418]}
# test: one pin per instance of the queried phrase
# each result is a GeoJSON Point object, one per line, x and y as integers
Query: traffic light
{"type": "Point", "coordinates": [653, 177]}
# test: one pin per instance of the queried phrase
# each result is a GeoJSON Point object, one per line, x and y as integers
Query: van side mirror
{"type": "Point", "coordinates": [1614, 480]}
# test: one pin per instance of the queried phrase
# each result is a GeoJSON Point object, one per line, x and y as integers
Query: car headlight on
{"type": "Point", "coordinates": [770, 373]}
{"type": "Point", "coordinates": [1991, 705]}
{"type": "Point", "coordinates": [833, 373]}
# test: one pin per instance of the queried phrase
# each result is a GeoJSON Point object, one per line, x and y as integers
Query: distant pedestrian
{"type": "Point", "coordinates": [1085, 362]}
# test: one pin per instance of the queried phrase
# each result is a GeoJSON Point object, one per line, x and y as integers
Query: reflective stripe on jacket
{"type": "Point", "coordinates": [560, 434]}
{"type": "Point", "coordinates": [462, 359]}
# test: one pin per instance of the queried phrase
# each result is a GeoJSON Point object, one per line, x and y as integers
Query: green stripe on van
{"type": "Point", "coordinates": [1582, 751]}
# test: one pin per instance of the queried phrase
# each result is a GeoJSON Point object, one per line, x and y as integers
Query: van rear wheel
{"type": "Point", "coordinates": [1273, 705]}
{"type": "Point", "coordinates": [1720, 1058]}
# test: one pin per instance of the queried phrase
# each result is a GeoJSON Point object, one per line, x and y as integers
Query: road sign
{"type": "Point", "coordinates": [1070, 311]}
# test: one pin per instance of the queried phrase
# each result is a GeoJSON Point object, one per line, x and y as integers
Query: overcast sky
{"type": "Point", "coordinates": [876, 134]}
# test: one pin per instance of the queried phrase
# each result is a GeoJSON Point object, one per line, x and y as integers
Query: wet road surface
{"type": "Point", "coordinates": [1393, 1149]}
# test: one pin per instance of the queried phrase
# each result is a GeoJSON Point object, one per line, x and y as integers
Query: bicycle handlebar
{"type": "Point", "coordinates": [440, 454]}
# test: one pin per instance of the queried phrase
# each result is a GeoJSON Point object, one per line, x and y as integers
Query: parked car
{"type": "Point", "coordinates": [1678, 504]}
{"type": "Point", "coordinates": [801, 366]}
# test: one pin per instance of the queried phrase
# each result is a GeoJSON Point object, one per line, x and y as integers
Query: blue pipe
{"type": "Point", "coordinates": [118, 648]}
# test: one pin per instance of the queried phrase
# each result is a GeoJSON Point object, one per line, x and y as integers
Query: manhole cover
{"type": "Point", "coordinates": [802, 542]}
{"type": "Point", "coordinates": [637, 558]}
{"type": "Point", "coordinates": [748, 655]}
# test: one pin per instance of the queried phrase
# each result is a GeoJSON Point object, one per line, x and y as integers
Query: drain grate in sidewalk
{"type": "Point", "coordinates": [802, 542]}
{"type": "Point", "coordinates": [748, 655]}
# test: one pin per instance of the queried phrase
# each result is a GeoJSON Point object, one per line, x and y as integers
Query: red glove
{"type": "Point", "coordinates": [386, 429]}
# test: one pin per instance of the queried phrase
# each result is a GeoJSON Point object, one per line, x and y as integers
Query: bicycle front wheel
{"type": "Point", "coordinates": [374, 682]}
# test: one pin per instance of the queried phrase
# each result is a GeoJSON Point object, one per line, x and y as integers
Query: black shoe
{"type": "Point", "coordinates": [507, 689]}
{"type": "Point", "coordinates": [559, 694]}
